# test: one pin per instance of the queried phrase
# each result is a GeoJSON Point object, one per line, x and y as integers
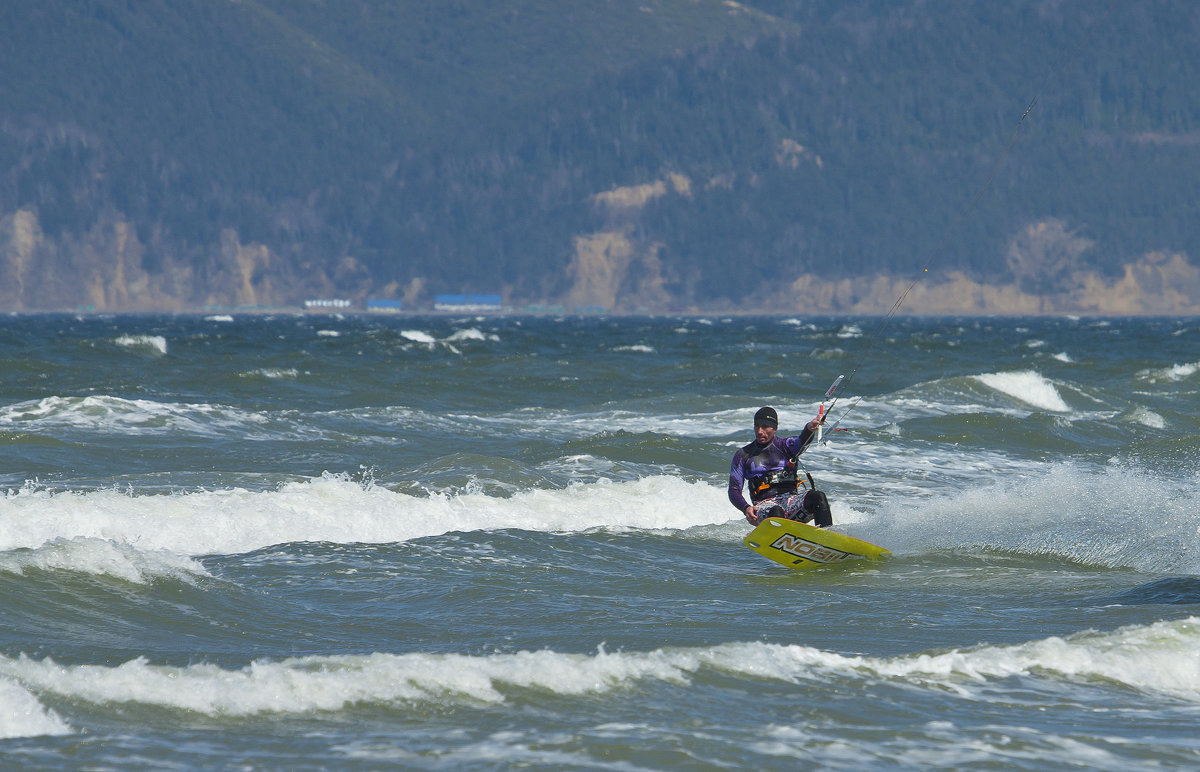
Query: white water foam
{"type": "Point", "coordinates": [102, 557]}
{"type": "Point", "coordinates": [418, 336]}
{"type": "Point", "coordinates": [103, 413]}
{"type": "Point", "coordinates": [336, 509]}
{"type": "Point", "coordinates": [472, 333]}
{"type": "Point", "coordinates": [1161, 658]}
{"type": "Point", "coordinates": [272, 373]}
{"type": "Point", "coordinates": [1147, 417]}
{"type": "Point", "coordinates": [1172, 374]}
{"type": "Point", "coordinates": [1026, 386]}
{"type": "Point", "coordinates": [469, 334]}
{"type": "Point", "coordinates": [850, 331]}
{"type": "Point", "coordinates": [156, 343]}
{"type": "Point", "coordinates": [21, 715]}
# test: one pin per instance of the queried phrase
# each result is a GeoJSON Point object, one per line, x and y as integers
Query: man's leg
{"type": "Point", "coordinates": [816, 508]}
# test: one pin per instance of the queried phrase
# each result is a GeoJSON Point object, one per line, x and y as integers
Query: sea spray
{"type": "Point", "coordinates": [1106, 517]}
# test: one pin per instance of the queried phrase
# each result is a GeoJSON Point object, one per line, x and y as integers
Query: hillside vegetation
{"type": "Point", "coordinates": [636, 155]}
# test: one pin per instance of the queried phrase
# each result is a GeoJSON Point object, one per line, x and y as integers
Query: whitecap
{"type": "Point", "coordinates": [471, 333]}
{"type": "Point", "coordinates": [1159, 658]}
{"type": "Point", "coordinates": [103, 413]}
{"type": "Point", "coordinates": [336, 509]}
{"type": "Point", "coordinates": [21, 715]}
{"type": "Point", "coordinates": [1172, 374]}
{"type": "Point", "coordinates": [1026, 386]}
{"type": "Point", "coordinates": [101, 557]}
{"type": "Point", "coordinates": [153, 342]}
{"type": "Point", "coordinates": [305, 684]}
{"type": "Point", "coordinates": [273, 372]}
{"type": "Point", "coordinates": [418, 336]}
{"type": "Point", "coordinates": [1147, 418]}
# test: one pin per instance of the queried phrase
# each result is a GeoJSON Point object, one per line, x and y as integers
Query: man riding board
{"type": "Point", "coordinates": [770, 466]}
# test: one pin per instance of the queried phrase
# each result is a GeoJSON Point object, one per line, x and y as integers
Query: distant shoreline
{"type": "Point", "coordinates": [518, 313]}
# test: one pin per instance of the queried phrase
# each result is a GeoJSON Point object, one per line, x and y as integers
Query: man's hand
{"type": "Point", "coordinates": [813, 424]}
{"type": "Point", "coordinates": [752, 515]}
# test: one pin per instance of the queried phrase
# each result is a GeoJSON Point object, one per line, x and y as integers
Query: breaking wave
{"type": "Point", "coordinates": [1028, 387]}
{"type": "Point", "coordinates": [60, 526]}
{"type": "Point", "coordinates": [1158, 659]}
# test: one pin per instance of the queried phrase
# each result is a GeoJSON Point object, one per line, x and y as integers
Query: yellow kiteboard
{"type": "Point", "coordinates": [797, 545]}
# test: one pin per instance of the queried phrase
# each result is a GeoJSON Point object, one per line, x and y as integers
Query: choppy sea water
{"type": "Point", "coordinates": [316, 542]}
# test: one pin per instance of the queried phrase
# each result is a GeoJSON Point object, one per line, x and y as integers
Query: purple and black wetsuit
{"type": "Point", "coordinates": [771, 473]}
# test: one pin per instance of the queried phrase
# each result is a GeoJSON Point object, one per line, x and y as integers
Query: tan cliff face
{"type": "Point", "coordinates": [1048, 277]}
{"type": "Point", "coordinates": [105, 270]}
{"type": "Point", "coordinates": [1156, 284]}
{"type": "Point", "coordinates": [609, 270]}
{"type": "Point", "coordinates": [19, 237]}
{"type": "Point", "coordinates": [1045, 259]}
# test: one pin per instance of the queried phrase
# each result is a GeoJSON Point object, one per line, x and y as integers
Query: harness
{"type": "Point", "coordinates": [784, 480]}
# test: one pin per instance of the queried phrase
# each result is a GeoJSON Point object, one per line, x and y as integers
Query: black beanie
{"type": "Point", "coordinates": [766, 416]}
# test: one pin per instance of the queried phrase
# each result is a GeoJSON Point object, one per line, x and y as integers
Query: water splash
{"type": "Point", "coordinates": [1108, 517]}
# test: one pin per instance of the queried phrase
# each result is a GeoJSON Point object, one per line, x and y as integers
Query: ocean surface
{"type": "Point", "coordinates": [433, 542]}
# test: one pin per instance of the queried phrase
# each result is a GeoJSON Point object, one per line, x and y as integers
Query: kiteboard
{"type": "Point", "coordinates": [799, 545]}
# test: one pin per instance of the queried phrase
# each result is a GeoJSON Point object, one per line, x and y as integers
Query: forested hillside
{"type": "Point", "coordinates": [635, 155]}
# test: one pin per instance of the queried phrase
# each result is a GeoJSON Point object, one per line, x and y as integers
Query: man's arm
{"type": "Point", "coordinates": [797, 445]}
{"type": "Point", "coordinates": [737, 481]}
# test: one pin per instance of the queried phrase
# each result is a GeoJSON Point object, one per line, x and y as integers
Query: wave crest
{"type": "Point", "coordinates": [21, 715]}
{"type": "Point", "coordinates": [101, 557]}
{"type": "Point", "coordinates": [1158, 658]}
{"type": "Point", "coordinates": [338, 509]}
{"type": "Point", "coordinates": [1026, 386]}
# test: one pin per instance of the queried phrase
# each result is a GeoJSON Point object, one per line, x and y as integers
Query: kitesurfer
{"type": "Point", "coordinates": [769, 466]}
